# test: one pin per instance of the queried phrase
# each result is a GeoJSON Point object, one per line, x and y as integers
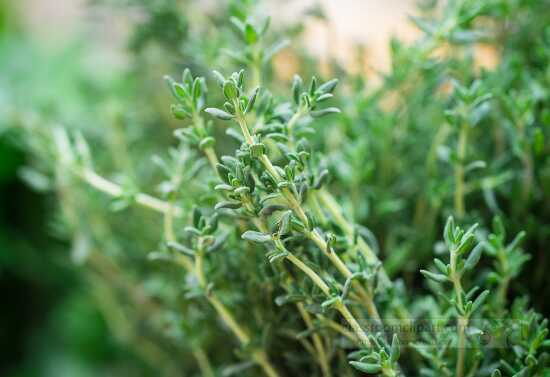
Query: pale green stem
{"type": "Point", "coordinates": [338, 328]}
{"type": "Point", "coordinates": [459, 171]}
{"type": "Point", "coordinates": [222, 311]}
{"type": "Point", "coordinates": [340, 306]}
{"type": "Point", "coordinates": [314, 235]}
{"type": "Point", "coordinates": [462, 320]}
{"type": "Point", "coordinates": [293, 120]}
{"type": "Point", "coordinates": [316, 207]}
{"type": "Point", "coordinates": [260, 357]}
{"type": "Point", "coordinates": [203, 362]}
{"type": "Point", "coordinates": [256, 67]}
{"type": "Point", "coordinates": [261, 226]}
{"type": "Point", "coordinates": [212, 158]}
{"type": "Point", "coordinates": [111, 188]}
{"type": "Point", "coordinates": [527, 176]}
{"type": "Point", "coordinates": [336, 212]}
{"type": "Point", "coordinates": [198, 122]}
{"type": "Point", "coordinates": [366, 298]}
{"type": "Point", "coordinates": [317, 343]}
{"type": "Point", "coordinates": [291, 123]}
{"type": "Point", "coordinates": [505, 280]}
{"type": "Point", "coordinates": [169, 215]}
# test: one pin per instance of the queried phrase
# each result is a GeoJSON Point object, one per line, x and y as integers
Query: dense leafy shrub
{"type": "Point", "coordinates": [289, 228]}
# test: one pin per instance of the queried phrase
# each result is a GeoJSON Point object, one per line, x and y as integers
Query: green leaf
{"type": "Point", "coordinates": [321, 179]}
{"type": "Point", "coordinates": [270, 209]}
{"type": "Point", "coordinates": [180, 90]}
{"type": "Point", "coordinates": [472, 291]}
{"type": "Point", "coordinates": [229, 108]}
{"type": "Point", "coordinates": [180, 248]}
{"type": "Point", "coordinates": [313, 86]}
{"type": "Point", "coordinates": [366, 367]}
{"type": "Point", "coordinates": [479, 300]}
{"type": "Point", "coordinates": [207, 142]}
{"type": "Point", "coordinates": [197, 89]}
{"type": "Point", "coordinates": [197, 215]}
{"type": "Point", "coordinates": [243, 190]}
{"type": "Point", "coordinates": [228, 205]}
{"type": "Point", "coordinates": [170, 82]}
{"type": "Point", "coordinates": [330, 302]}
{"type": "Point", "coordinates": [239, 78]}
{"type": "Point", "coordinates": [284, 223]}
{"type": "Point", "coordinates": [277, 136]}
{"type": "Point", "coordinates": [395, 349]}
{"type": "Point", "coordinates": [192, 231]}
{"type": "Point", "coordinates": [473, 331]}
{"type": "Point", "coordinates": [277, 255]}
{"type": "Point", "coordinates": [498, 227]}
{"type": "Point", "coordinates": [251, 100]}
{"type": "Point", "coordinates": [254, 236]}
{"type": "Point", "coordinates": [441, 266]}
{"type": "Point", "coordinates": [426, 26]}
{"type": "Point", "coordinates": [328, 87]}
{"type": "Point", "coordinates": [516, 241]}
{"type": "Point", "coordinates": [250, 34]}
{"type": "Point", "coordinates": [448, 232]}
{"type": "Point", "coordinates": [474, 257]}
{"type": "Point", "coordinates": [323, 112]}
{"type": "Point", "coordinates": [219, 78]}
{"type": "Point", "coordinates": [346, 288]}
{"type": "Point", "coordinates": [475, 165]}
{"type": "Point", "coordinates": [265, 25]}
{"type": "Point", "coordinates": [179, 112]}
{"type": "Point", "coordinates": [289, 298]}
{"type": "Point", "coordinates": [466, 243]}
{"type": "Point", "coordinates": [324, 97]}
{"type": "Point", "coordinates": [296, 88]}
{"type": "Point", "coordinates": [186, 77]}
{"type": "Point", "coordinates": [466, 36]}
{"type": "Point", "coordinates": [438, 278]}
{"type": "Point", "coordinates": [230, 90]}
{"type": "Point", "coordinates": [220, 114]}
{"type": "Point", "coordinates": [35, 179]}
{"type": "Point", "coordinates": [238, 24]}
{"type": "Point", "coordinates": [223, 187]}
{"type": "Point", "coordinates": [223, 172]}
{"type": "Point", "coordinates": [331, 239]}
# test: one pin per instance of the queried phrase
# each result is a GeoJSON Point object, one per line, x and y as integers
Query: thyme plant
{"type": "Point", "coordinates": [286, 227]}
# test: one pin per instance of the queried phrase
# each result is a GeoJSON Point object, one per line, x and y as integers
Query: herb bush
{"type": "Point", "coordinates": [260, 226]}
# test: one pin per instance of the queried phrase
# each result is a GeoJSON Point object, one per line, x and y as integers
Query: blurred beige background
{"type": "Point", "coordinates": [350, 22]}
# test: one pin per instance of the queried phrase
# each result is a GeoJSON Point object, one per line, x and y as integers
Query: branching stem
{"type": "Point", "coordinates": [296, 207]}
{"type": "Point", "coordinates": [262, 227]}
{"type": "Point", "coordinates": [340, 306]}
